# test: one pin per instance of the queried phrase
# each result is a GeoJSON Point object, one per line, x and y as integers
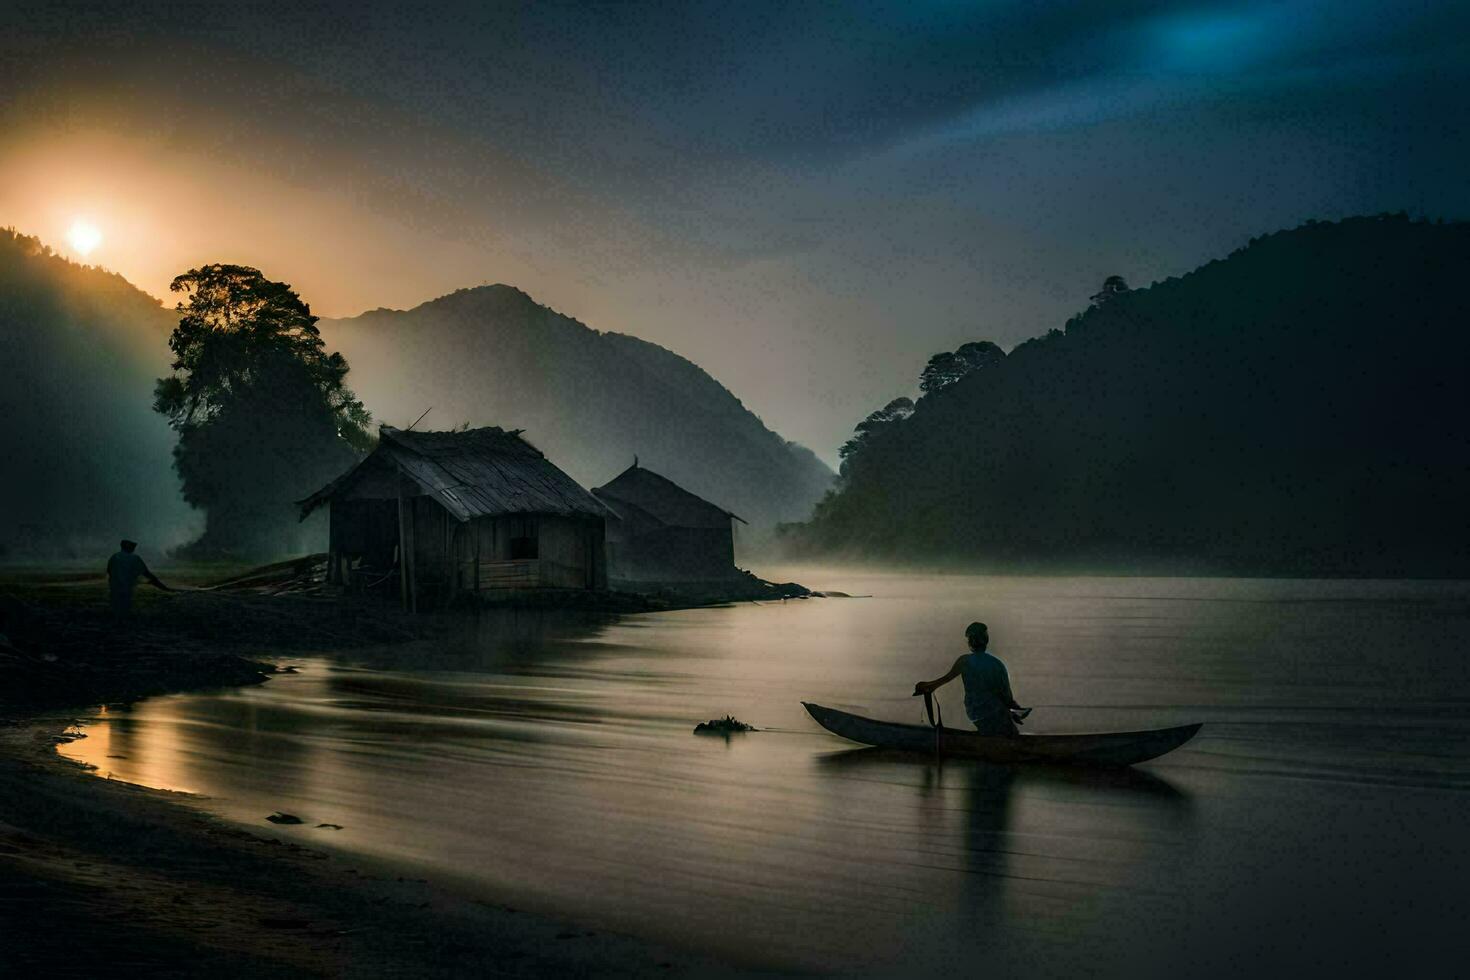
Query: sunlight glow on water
{"type": "Point", "coordinates": [550, 764]}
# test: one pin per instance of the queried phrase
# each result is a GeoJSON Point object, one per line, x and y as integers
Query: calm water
{"type": "Point", "coordinates": [1317, 822]}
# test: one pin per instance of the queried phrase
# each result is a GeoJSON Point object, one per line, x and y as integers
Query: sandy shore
{"type": "Point", "coordinates": [103, 876]}
{"type": "Point", "coordinates": [98, 875]}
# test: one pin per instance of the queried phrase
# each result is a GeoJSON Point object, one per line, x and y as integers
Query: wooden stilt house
{"type": "Point", "coordinates": [432, 516]}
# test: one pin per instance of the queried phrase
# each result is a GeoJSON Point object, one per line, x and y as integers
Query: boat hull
{"type": "Point", "coordinates": [1102, 749]}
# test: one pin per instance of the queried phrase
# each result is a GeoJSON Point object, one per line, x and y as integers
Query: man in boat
{"type": "Point", "coordinates": [988, 700]}
{"type": "Point", "coordinates": [123, 571]}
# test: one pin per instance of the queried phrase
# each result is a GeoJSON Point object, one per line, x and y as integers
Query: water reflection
{"type": "Point", "coordinates": [1125, 804]}
{"type": "Point", "coordinates": [491, 640]}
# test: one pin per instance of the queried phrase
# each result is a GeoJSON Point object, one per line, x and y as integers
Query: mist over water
{"type": "Point", "coordinates": [1315, 824]}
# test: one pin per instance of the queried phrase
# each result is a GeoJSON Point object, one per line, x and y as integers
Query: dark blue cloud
{"type": "Point", "coordinates": [710, 82]}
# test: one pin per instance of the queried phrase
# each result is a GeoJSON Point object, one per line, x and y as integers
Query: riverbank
{"type": "Point", "coordinates": [61, 647]}
{"type": "Point", "coordinates": [101, 875]}
{"type": "Point", "coordinates": [105, 876]}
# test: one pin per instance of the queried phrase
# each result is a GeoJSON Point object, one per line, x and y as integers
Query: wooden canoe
{"type": "Point", "coordinates": [1103, 749]}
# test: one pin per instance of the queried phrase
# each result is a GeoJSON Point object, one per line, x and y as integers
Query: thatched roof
{"type": "Point", "coordinates": [662, 499]}
{"type": "Point", "coordinates": [474, 473]}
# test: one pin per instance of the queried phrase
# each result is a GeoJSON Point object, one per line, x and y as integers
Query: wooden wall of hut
{"type": "Point", "coordinates": [449, 557]}
{"type": "Point", "coordinates": [529, 551]}
{"type": "Point", "coordinates": [674, 554]}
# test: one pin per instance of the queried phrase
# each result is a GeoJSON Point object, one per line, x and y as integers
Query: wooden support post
{"type": "Point", "coordinates": [413, 570]}
{"type": "Point", "coordinates": [333, 575]}
{"type": "Point", "coordinates": [402, 545]}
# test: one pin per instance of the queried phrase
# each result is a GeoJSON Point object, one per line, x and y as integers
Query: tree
{"type": "Point", "coordinates": [1112, 288]}
{"type": "Point", "coordinates": [942, 371]}
{"type": "Point", "coordinates": [945, 369]}
{"type": "Point", "coordinates": [262, 410]}
{"type": "Point", "coordinates": [895, 411]}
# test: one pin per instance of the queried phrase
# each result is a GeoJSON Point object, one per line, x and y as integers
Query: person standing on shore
{"type": "Point", "coordinates": [988, 700]}
{"type": "Point", "coordinates": [123, 571]}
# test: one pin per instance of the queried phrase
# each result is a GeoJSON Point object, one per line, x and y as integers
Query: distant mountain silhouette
{"type": "Point", "coordinates": [589, 400]}
{"type": "Point", "coordinates": [87, 461]}
{"type": "Point", "coordinates": [1298, 407]}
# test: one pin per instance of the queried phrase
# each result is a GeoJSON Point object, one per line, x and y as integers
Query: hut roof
{"type": "Point", "coordinates": [474, 473]}
{"type": "Point", "coordinates": [662, 498]}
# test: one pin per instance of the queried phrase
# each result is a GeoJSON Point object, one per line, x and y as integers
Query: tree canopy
{"type": "Point", "coordinates": [945, 369]}
{"type": "Point", "coordinates": [895, 411]}
{"type": "Point", "coordinates": [1112, 288]}
{"type": "Point", "coordinates": [262, 410]}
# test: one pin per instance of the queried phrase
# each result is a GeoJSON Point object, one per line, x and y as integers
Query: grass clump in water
{"type": "Point", "coordinates": [728, 725]}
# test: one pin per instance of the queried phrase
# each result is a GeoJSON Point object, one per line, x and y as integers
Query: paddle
{"type": "Point", "coordinates": [931, 707]}
{"type": "Point", "coordinates": [936, 716]}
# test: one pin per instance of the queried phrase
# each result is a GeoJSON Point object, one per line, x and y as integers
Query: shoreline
{"type": "Point", "coordinates": [100, 874]}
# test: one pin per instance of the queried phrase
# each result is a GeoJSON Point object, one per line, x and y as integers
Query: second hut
{"type": "Point", "coordinates": [662, 533]}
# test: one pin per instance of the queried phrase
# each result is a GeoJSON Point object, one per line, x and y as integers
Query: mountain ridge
{"type": "Point", "coordinates": [95, 462]}
{"type": "Point", "coordinates": [591, 399]}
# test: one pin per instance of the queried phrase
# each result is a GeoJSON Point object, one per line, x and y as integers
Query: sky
{"type": "Point", "coordinates": [805, 199]}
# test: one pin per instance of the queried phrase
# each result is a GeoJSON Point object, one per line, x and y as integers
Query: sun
{"type": "Point", "coordinates": [83, 237]}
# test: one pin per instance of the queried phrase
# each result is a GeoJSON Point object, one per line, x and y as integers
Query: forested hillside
{"type": "Point", "coordinates": [589, 400]}
{"type": "Point", "coordinates": [1298, 407]}
{"type": "Point", "coordinates": [87, 461]}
